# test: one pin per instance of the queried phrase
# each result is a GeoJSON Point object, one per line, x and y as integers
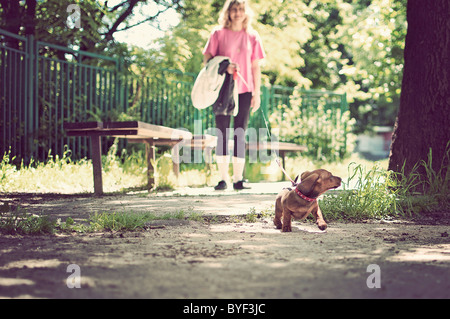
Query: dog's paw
{"type": "Point", "coordinates": [322, 225]}
{"type": "Point", "coordinates": [277, 223]}
{"type": "Point", "coordinates": [286, 229]}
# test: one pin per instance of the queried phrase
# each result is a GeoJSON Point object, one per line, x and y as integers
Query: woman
{"type": "Point", "coordinates": [236, 40]}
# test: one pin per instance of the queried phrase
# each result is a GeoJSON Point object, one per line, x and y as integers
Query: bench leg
{"type": "Point", "coordinates": [208, 157]}
{"type": "Point", "coordinates": [283, 159]}
{"type": "Point", "coordinates": [176, 160]}
{"type": "Point", "coordinates": [96, 146]}
{"type": "Point", "coordinates": [150, 154]}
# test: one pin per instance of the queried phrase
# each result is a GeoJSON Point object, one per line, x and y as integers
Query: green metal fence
{"type": "Point", "coordinates": [14, 87]}
{"type": "Point", "coordinates": [43, 85]}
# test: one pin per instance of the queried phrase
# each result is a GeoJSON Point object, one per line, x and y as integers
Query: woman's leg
{"type": "Point", "coordinates": [222, 155]}
{"type": "Point", "coordinates": [240, 126]}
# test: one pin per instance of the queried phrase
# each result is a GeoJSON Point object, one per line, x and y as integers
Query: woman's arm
{"type": "Point", "coordinates": [256, 98]}
{"type": "Point", "coordinates": [206, 57]}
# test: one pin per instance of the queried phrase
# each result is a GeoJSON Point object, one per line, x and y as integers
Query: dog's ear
{"type": "Point", "coordinates": [295, 180]}
{"type": "Point", "coordinates": [304, 175]}
{"type": "Point", "coordinates": [309, 181]}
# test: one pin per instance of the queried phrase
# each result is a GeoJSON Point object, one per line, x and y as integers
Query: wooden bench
{"type": "Point", "coordinates": [155, 135]}
{"type": "Point", "coordinates": [281, 147]}
{"type": "Point", "coordinates": [208, 143]}
{"type": "Point", "coordinates": [134, 131]}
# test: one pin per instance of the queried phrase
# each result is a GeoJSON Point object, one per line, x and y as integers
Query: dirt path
{"type": "Point", "coordinates": [185, 259]}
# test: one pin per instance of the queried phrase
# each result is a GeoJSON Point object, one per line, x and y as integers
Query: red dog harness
{"type": "Point", "coordinates": [304, 197]}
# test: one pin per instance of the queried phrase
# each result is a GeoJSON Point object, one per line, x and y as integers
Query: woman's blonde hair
{"type": "Point", "coordinates": [224, 17]}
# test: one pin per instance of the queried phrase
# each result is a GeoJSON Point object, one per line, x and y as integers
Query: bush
{"type": "Point", "coordinates": [319, 124]}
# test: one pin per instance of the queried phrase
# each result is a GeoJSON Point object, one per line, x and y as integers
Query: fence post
{"type": "Point", "coordinates": [344, 107]}
{"type": "Point", "coordinates": [31, 75]}
{"type": "Point", "coordinates": [265, 101]}
{"type": "Point", "coordinates": [120, 85]}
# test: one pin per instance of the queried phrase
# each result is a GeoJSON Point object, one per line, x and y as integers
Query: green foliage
{"type": "Point", "coordinates": [51, 23]}
{"type": "Point", "coordinates": [353, 47]}
{"type": "Point", "coordinates": [350, 46]}
{"type": "Point", "coordinates": [163, 166]}
{"type": "Point", "coordinates": [434, 185]}
{"type": "Point", "coordinates": [284, 29]}
{"type": "Point", "coordinates": [116, 221]}
{"type": "Point", "coordinates": [22, 223]}
{"type": "Point", "coordinates": [6, 170]}
{"type": "Point", "coordinates": [437, 183]}
{"type": "Point", "coordinates": [368, 198]}
{"type": "Point", "coordinates": [371, 73]}
{"type": "Point", "coordinates": [62, 175]}
{"type": "Point", "coordinates": [378, 193]}
{"type": "Point", "coordinates": [317, 123]}
{"type": "Point", "coordinates": [19, 222]}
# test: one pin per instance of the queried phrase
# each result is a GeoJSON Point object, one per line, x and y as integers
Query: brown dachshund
{"type": "Point", "coordinates": [299, 202]}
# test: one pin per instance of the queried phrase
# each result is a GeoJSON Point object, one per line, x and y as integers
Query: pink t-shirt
{"type": "Point", "coordinates": [241, 47]}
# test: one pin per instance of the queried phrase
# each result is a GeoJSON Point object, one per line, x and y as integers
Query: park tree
{"type": "Point", "coordinates": [357, 48]}
{"type": "Point", "coordinates": [424, 115]}
{"type": "Point", "coordinates": [99, 20]}
{"type": "Point", "coordinates": [371, 38]}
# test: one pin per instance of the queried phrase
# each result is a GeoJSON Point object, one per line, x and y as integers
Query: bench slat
{"type": "Point", "coordinates": [82, 126]}
{"type": "Point", "coordinates": [115, 133]}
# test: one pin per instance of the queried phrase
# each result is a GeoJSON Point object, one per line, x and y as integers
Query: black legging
{"type": "Point", "coordinates": [240, 126]}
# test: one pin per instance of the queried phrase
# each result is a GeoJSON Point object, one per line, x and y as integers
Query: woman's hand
{"type": "Point", "coordinates": [256, 98]}
{"type": "Point", "coordinates": [232, 67]}
{"type": "Point", "coordinates": [256, 102]}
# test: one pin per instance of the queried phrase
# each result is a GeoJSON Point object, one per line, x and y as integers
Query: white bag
{"type": "Point", "coordinates": [208, 84]}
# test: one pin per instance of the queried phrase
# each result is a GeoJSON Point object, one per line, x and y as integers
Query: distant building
{"type": "Point", "coordinates": [376, 145]}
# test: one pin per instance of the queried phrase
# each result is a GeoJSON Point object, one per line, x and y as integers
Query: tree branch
{"type": "Point", "coordinates": [125, 14]}
{"type": "Point", "coordinates": [108, 36]}
{"type": "Point", "coordinates": [116, 7]}
{"type": "Point", "coordinates": [145, 20]}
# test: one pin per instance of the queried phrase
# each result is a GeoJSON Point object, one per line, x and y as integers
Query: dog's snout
{"type": "Point", "coordinates": [337, 180]}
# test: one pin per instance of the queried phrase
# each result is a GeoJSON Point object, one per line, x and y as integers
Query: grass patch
{"type": "Point", "coordinates": [378, 193]}
{"type": "Point", "coordinates": [22, 223]}
{"type": "Point", "coordinates": [129, 221]}
{"type": "Point", "coordinates": [368, 198]}
{"type": "Point", "coordinates": [65, 176]}
{"type": "Point", "coordinates": [19, 222]}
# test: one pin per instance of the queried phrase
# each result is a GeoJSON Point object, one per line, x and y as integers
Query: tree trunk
{"type": "Point", "coordinates": [30, 17]}
{"type": "Point", "coordinates": [11, 20]}
{"type": "Point", "coordinates": [423, 119]}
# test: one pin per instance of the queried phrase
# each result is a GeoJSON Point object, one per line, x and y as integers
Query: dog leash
{"type": "Point", "coordinates": [282, 169]}
{"type": "Point", "coordinates": [236, 73]}
{"type": "Point", "coordinates": [241, 77]}
{"type": "Point", "coordinates": [294, 184]}
{"type": "Point", "coordinates": [277, 158]}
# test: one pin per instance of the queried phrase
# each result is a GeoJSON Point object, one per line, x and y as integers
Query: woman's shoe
{"type": "Point", "coordinates": [221, 186]}
{"type": "Point", "coordinates": [240, 185]}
